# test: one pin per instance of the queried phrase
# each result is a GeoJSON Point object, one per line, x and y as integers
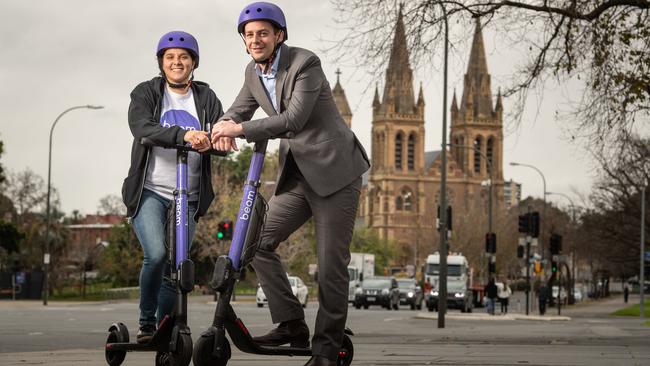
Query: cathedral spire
{"type": "Point", "coordinates": [398, 93]}
{"type": "Point", "coordinates": [375, 102]}
{"type": "Point", "coordinates": [477, 94]}
{"type": "Point", "coordinates": [421, 95]}
{"type": "Point", "coordinates": [341, 100]}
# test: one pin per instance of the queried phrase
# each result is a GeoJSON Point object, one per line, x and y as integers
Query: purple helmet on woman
{"type": "Point", "coordinates": [262, 11]}
{"type": "Point", "coordinates": [179, 39]}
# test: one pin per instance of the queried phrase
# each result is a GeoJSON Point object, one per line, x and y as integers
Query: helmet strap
{"type": "Point", "coordinates": [181, 85]}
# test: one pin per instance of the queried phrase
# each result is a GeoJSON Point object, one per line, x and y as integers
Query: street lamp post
{"type": "Point", "coordinates": [642, 269]}
{"type": "Point", "coordinates": [543, 196]}
{"type": "Point", "coordinates": [573, 251]}
{"type": "Point", "coordinates": [442, 290]}
{"type": "Point", "coordinates": [46, 255]}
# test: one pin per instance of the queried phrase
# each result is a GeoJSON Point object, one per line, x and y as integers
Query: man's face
{"type": "Point", "coordinates": [261, 39]}
{"type": "Point", "coordinates": [177, 65]}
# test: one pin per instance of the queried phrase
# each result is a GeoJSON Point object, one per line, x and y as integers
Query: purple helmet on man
{"type": "Point", "coordinates": [179, 39]}
{"type": "Point", "coordinates": [262, 11]}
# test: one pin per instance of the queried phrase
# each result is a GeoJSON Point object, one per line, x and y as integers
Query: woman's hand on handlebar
{"type": "Point", "coordinates": [200, 140]}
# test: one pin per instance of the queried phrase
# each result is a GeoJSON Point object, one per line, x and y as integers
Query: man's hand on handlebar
{"type": "Point", "coordinates": [200, 140]}
{"type": "Point", "coordinates": [224, 133]}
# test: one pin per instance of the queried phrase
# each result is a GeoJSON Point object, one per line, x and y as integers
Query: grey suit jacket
{"type": "Point", "coordinates": [326, 151]}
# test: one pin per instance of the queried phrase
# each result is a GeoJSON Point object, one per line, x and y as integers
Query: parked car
{"type": "Point", "coordinates": [577, 294]}
{"type": "Point", "coordinates": [378, 290]}
{"type": "Point", "coordinates": [563, 294]}
{"type": "Point", "coordinates": [299, 289]}
{"type": "Point", "coordinates": [459, 296]}
{"type": "Point", "coordinates": [410, 293]}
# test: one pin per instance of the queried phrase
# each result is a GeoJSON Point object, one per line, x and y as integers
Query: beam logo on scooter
{"type": "Point", "coordinates": [178, 211]}
{"type": "Point", "coordinates": [247, 205]}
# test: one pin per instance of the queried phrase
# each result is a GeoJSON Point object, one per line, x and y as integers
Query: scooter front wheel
{"type": "Point", "coordinates": [118, 333]}
{"type": "Point", "coordinates": [203, 352]}
{"type": "Point", "coordinates": [346, 353]}
{"type": "Point", "coordinates": [181, 357]}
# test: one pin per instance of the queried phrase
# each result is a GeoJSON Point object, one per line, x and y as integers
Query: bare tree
{"type": "Point", "coordinates": [28, 192]}
{"type": "Point", "coordinates": [603, 43]}
{"type": "Point", "coordinates": [111, 205]}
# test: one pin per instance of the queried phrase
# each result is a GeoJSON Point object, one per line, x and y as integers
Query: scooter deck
{"type": "Point", "coordinates": [159, 341]}
{"type": "Point", "coordinates": [244, 342]}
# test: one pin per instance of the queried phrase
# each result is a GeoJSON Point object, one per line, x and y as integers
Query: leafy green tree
{"type": "Point", "coordinates": [122, 259]}
{"type": "Point", "coordinates": [365, 240]}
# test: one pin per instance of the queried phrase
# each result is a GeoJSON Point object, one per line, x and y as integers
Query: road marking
{"type": "Point", "coordinates": [35, 333]}
{"type": "Point", "coordinates": [608, 331]}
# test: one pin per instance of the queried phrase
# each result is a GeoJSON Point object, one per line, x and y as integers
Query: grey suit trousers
{"type": "Point", "coordinates": [334, 215]}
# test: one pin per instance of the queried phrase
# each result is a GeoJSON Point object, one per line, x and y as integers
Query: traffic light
{"type": "Point", "coordinates": [538, 267]}
{"type": "Point", "coordinates": [529, 224]}
{"type": "Point", "coordinates": [553, 266]}
{"type": "Point", "coordinates": [520, 251]}
{"type": "Point", "coordinates": [448, 217]}
{"type": "Point", "coordinates": [492, 267]}
{"type": "Point", "coordinates": [534, 224]}
{"type": "Point", "coordinates": [491, 243]}
{"type": "Point", "coordinates": [524, 223]}
{"type": "Point", "coordinates": [556, 244]}
{"type": "Point", "coordinates": [227, 225]}
{"type": "Point", "coordinates": [221, 230]}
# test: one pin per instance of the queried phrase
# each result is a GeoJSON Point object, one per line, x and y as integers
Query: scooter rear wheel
{"type": "Point", "coordinates": [202, 355]}
{"type": "Point", "coordinates": [116, 334]}
{"type": "Point", "coordinates": [181, 357]}
{"type": "Point", "coordinates": [346, 354]}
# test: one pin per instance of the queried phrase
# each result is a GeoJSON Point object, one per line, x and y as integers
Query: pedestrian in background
{"type": "Point", "coordinates": [542, 296]}
{"type": "Point", "coordinates": [626, 291]}
{"type": "Point", "coordinates": [491, 292]}
{"type": "Point", "coordinates": [504, 297]}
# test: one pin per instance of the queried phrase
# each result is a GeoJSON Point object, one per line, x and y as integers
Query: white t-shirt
{"type": "Point", "coordinates": [177, 110]}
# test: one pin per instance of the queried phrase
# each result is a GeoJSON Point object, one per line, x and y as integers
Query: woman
{"type": "Point", "coordinates": [169, 109]}
{"type": "Point", "coordinates": [504, 296]}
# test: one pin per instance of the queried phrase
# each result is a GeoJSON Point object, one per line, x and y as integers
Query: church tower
{"type": "Point", "coordinates": [397, 142]}
{"type": "Point", "coordinates": [341, 101]}
{"type": "Point", "coordinates": [476, 122]}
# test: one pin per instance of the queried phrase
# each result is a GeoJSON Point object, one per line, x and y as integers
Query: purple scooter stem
{"type": "Point", "coordinates": [246, 206]}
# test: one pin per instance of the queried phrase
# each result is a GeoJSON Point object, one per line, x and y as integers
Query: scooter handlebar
{"type": "Point", "coordinates": [148, 142]}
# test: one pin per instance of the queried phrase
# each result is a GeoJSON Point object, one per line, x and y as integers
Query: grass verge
{"type": "Point", "coordinates": [633, 310]}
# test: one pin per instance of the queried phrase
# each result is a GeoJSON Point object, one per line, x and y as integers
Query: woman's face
{"type": "Point", "coordinates": [177, 64]}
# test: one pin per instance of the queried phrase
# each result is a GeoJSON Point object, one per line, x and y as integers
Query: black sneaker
{"type": "Point", "coordinates": [145, 333]}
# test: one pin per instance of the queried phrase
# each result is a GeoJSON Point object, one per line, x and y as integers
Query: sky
{"type": "Point", "coordinates": [65, 53]}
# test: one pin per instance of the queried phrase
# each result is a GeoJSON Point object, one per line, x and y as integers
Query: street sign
{"type": "Point", "coordinates": [46, 258]}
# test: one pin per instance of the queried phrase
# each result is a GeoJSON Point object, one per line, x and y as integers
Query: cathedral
{"type": "Point", "coordinates": [401, 191]}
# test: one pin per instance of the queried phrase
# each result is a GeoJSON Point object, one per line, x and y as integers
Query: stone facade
{"type": "Point", "coordinates": [401, 194]}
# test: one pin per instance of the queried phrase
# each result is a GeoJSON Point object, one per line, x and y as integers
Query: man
{"type": "Point", "coordinates": [491, 293]}
{"type": "Point", "coordinates": [321, 163]}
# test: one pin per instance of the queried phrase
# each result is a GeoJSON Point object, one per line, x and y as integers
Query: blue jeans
{"type": "Point", "coordinates": [157, 295]}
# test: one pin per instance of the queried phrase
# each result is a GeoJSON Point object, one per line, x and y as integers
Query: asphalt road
{"type": "Point", "coordinates": [74, 334]}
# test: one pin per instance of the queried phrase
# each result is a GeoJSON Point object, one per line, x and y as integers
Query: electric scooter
{"type": "Point", "coordinates": [172, 341]}
{"type": "Point", "coordinates": [213, 348]}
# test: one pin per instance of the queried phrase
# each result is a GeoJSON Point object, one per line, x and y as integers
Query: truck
{"type": "Point", "coordinates": [362, 265]}
{"type": "Point", "coordinates": [459, 293]}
